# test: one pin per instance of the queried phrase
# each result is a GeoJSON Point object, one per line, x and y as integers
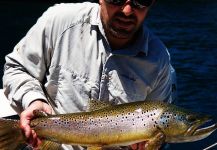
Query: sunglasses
{"type": "Point", "coordinates": [134, 3]}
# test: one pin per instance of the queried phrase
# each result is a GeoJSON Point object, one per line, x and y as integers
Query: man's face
{"type": "Point", "coordinates": [121, 22]}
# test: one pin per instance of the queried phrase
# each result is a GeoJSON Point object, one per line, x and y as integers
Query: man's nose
{"type": "Point", "coordinates": [127, 8]}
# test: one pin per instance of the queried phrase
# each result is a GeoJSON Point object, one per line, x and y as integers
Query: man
{"type": "Point", "coordinates": [77, 52]}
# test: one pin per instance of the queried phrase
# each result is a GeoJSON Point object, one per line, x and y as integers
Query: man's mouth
{"type": "Point", "coordinates": [124, 23]}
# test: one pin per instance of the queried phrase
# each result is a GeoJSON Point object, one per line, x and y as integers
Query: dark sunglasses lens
{"type": "Point", "coordinates": [142, 3]}
{"type": "Point", "coordinates": [116, 2]}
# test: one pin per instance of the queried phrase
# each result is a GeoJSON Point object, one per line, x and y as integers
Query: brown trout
{"type": "Point", "coordinates": [109, 126]}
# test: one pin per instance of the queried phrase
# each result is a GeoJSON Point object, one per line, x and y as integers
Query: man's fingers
{"type": "Point", "coordinates": [47, 108]}
{"type": "Point", "coordinates": [25, 118]}
{"type": "Point", "coordinates": [134, 147]}
{"type": "Point", "coordinates": [24, 123]}
{"type": "Point", "coordinates": [141, 146]}
{"type": "Point", "coordinates": [138, 146]}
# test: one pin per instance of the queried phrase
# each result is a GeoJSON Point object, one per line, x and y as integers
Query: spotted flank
{"type": "Point", "coordinates": [105, 125]}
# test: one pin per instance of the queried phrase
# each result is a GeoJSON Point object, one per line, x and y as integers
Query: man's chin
{"type": "Point", "coordinates": [121, 34]}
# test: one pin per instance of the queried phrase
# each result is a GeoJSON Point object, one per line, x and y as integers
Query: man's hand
{"type": "Point", "coordinates": [27, 115]}
{"type": "Point", "coordinates": [138, 146]}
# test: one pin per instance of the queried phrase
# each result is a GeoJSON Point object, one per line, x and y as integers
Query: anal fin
{"type": "Point", "coordinates": [94, 148]}
{"type": "Point", "coordinates": [49, 145]}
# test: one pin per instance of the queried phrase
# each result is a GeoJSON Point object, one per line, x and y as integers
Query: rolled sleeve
{"type": "Point", "coordinates": [25, 67]}
{"type": "Point", "coordinates": [29, 97]}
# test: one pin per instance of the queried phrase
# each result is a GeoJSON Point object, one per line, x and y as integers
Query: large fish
{"type": "Point", "coordinates": [105, 125]}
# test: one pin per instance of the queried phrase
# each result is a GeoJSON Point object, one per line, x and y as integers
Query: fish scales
{"type": "Point", "coordinates": [107, 127]}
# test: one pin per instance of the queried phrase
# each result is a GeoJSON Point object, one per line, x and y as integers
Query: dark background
{"type": "Point", "coordinates": [188, 28]}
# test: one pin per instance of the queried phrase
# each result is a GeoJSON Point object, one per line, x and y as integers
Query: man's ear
{"type": "Point", "coordinates": [100, 2]}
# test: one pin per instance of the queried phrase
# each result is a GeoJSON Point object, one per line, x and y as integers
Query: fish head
{"type": "Point", "coordinates": [181, 125]}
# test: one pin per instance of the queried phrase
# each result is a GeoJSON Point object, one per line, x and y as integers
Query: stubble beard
{"type": "Point", "coordinates": [121, 33]}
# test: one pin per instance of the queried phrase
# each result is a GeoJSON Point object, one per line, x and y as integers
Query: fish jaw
{"type": "Point", "coordinates": [196, 121]}
{"type": "Point", "coordinates": [194, 132]}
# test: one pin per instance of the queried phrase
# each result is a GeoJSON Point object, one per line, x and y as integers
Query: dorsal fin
{"type": "Point", "coordinates": [38, 113]}
{"type": "Point", "coordinates": [97, 104]}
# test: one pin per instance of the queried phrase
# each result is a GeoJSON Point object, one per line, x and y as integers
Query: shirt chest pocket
{"type": "Point", "coordinates": [126, 87]}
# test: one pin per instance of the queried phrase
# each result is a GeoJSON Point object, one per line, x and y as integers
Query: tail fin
{"type": "Point", "coordinates": [11, 136]}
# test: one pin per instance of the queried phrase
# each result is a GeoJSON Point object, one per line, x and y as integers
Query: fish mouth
{"type": "Point", "coordinates": [199, 129]}
{"type": "Point", "coordinates": [196, 123]}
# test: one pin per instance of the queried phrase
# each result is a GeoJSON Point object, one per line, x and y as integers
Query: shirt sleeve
{"type": "Point", "coordinates": [26, 66]}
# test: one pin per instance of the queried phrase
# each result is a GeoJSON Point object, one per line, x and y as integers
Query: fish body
{"type": "Point", "coordinates": [122, 125]}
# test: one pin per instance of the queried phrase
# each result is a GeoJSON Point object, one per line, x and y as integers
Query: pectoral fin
{"type": "Point", "coordinates": [155, 142]}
